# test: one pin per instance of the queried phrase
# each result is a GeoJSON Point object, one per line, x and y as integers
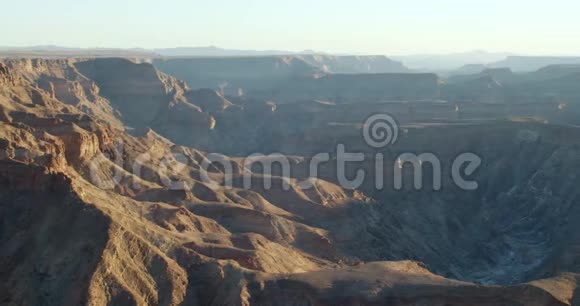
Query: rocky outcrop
{"type": "Point", "coordinates": [44, 81]}
{"type": "Point", "coordinates": [138, 91]}
{"type": "Point", "coordinates": [354, 64]}
{"type": "Point", "coordinates": [6, 77]}
{"type": "Point", "coordinates": [209, 100]}
{"type": "Point", "coordinates": [22, 177]}
{"type": "Point", "coordinates": [120, 92]}
{"type": "Point", "coordinates": [147, 98]}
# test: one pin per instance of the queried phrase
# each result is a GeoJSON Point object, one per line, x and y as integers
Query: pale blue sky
{"type": "Point", "coordinates": [363, 26]}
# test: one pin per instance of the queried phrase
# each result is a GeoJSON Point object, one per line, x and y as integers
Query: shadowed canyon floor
{"type": "Point", "coordinates": [78, 226]}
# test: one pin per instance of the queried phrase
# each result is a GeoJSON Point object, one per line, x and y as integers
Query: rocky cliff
{"type": "Point", "coordinates": [354, 64]}
{"type": "Point", "coordinates": [254, 75]}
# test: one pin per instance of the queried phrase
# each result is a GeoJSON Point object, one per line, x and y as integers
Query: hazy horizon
{"type": "Point", "coordinates": [49, 47]}
{"type": "Point", "coordinates": [369, 27]}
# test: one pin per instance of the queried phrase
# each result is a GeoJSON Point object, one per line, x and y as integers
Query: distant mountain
{"type": "Point", "coordinates": [550, 84]}
{"type": "Point", "coordinates": [212, 51]}
{"type": "Point", "coordinates": [468, 69]}
{"type": "Point", "coordinates": [50, 51]}
{"type": "Point", "coordinates": [39, 48]}
{"type": "Point", "coordinates": [452, 61]}
{"type": "Point", "coordinates": [499, 75]}
{"type": "Point", "coordinates": [355, 64]}
{"type": "Point", "coordinates": [533, 63]}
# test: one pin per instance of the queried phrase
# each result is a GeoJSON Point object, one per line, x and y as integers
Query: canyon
{"type": "Point", "coordinates": [78, 225]}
